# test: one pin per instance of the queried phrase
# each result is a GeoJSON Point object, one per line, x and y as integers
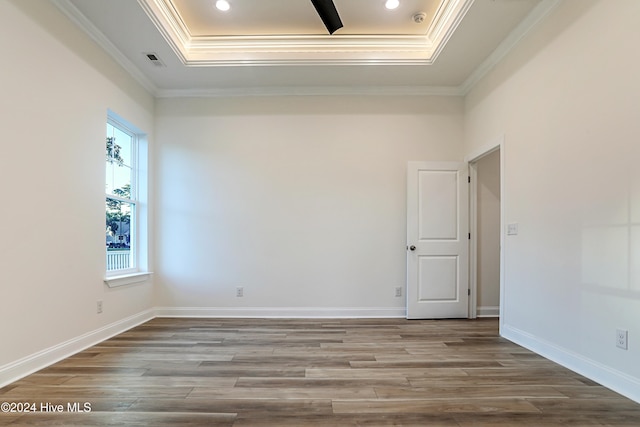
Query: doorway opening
{"type": "Point", "coordinates": [486, 170]}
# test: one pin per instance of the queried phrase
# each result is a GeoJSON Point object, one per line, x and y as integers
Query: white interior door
{"type": "Point", "coordinates": [437, 240]}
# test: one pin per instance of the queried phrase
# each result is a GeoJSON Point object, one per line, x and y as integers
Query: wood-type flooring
{"type": "Point", "coordinates": [312, 372]}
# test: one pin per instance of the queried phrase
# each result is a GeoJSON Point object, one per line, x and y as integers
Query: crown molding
{"type": "Point", "coordinates": [543, 9]}
{"type": "Point", "coordinates": [445, 22]}
{"type": "Point", "coordinates": [72, 12]}
{"type": "Point", "coordinates": [312, 91]}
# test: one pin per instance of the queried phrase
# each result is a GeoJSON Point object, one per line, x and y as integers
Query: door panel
{"type": "Point", "coordinates": [438, 204]}
{"type": "Point", "coordinates": [437, 269]}
{"type": "Point", "coordinates": [437, 240]}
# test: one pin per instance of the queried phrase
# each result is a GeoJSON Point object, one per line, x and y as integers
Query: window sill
{"type": "Point", "coordinates": [127, 279]}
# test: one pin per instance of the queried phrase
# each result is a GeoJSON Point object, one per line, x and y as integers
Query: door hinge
{"type": "Point", "coordinates": [469, 236]}
{"type": "Point", "coordinates": [469, 292]}
{"type": "Point", "coordinates": [469, 179]}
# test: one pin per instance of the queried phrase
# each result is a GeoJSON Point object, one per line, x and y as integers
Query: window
{"type": "Point", "coordinates": [125, 215]}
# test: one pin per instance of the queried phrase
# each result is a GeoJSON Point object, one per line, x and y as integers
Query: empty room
{"type": "Point", "coordinates": [347, 212]}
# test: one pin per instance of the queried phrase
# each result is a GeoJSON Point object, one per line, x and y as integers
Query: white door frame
{"type": "Point", "coordinates": [497, 144]}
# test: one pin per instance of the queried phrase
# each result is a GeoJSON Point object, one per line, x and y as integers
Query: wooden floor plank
{"type": "Point", "coordinates": [319, 382]}
{"type": "Point", "coordinates": [129, 419]}
{"type": "Point", "coordinates": [361, 373]}
{"type": "Point", "coordinates": [470, 392]}
{"type": "Point", "coordinates": [87, 393]}
{"type": "Point", "coordinates": [253, 408]}
{"type": "Point", "coordinates": [428, 406]}
{"type": "Point", "coordinates": [315, 372]}
{"type": "Point", "coordinates": [284, 393]}
{"type": "Point", "coordinates": [488, 381]}
{"type": "Point", "coordinates": [164, 381]}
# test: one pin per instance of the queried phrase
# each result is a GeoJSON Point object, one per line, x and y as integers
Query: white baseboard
{"type": "Point", "coordinates": [280, 312]}
{"type": "Point", "coordinates": [27, 365]}
{"type": "Point", "coordinates": [615, 380]}
{"type": "Point", "coordinates": [488, 311]}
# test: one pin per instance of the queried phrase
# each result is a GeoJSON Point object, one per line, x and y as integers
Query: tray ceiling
{"type": "Point", "coordinates": [282, 46]}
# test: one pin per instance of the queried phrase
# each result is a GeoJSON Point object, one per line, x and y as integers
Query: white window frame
{"type": "Point", "coordinates": [138, 227]}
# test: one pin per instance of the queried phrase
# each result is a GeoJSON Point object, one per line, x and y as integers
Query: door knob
{"type": "Point", "coordinates": [412, 248]}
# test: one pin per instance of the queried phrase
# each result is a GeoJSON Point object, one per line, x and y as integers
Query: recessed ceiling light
{"type": "Point", "coordinates": [224, 5]}
{"type": "Point", "coordinates": [392, 4]}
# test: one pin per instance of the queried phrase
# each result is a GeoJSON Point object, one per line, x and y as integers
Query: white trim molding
{"type": "Point", "coordinates": [488, 311]}
{"type": "Point", "coordinates": [282, 312]}
{"type": "Point", "coordinates": [127, 279]}
{"type": "Point", "coordinates": [27, 365]}
{"type": "Point", "coordinates": [310, 91]}
{"type": "Point", "coordinates": [543, 9]}
{"type": "Point", "coordinates": [219, 50]}
{"type": "Point", "coordinates": [472, 158]}
{"type": "Point", "coordinates": [72, 12]}
{"type": "Point", "coordinates": [611, 378]}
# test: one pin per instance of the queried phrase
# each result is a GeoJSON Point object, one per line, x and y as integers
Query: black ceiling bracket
{"type": "Point", "coordinates": [329, 14]}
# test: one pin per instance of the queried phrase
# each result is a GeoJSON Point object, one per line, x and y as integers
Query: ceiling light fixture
{"type": "Point", "coordinates": [392, 4]}
{"type": "Point", "coordinates": [223, 5]}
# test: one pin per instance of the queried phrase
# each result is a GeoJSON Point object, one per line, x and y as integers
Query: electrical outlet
{"type": "Point", "coordinates": [99, 307]}
{"type": "Point", "coordinates": [398, 291]}
{"type": "Point", "coordinates": [512, 229]}
{"type": "Point", "coordinates": [621, 338]}
{"type": "Point", "coordinates": [239, 292]}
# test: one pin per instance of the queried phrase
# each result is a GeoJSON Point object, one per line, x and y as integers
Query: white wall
{"type": "Point", "coordinates": [56, 88]}
{"type": "Point", "coordinates": [567, 102]}
{"type": "Point", "coordinates": [301, 201]}
{"type": "Point", "coordinates": [488, 238]}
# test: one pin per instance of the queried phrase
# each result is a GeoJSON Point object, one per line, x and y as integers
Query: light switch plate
{"type": "Point", "coordinates": [512, 229]}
